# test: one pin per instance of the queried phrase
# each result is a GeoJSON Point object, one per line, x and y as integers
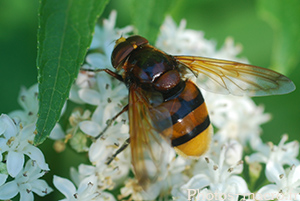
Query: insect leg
{"type": "Point", "coordinates": [110, 121]}
{"type": "Point", "coordinates": [113, 74]}
{"type": "Point", "coordinates": [124, 145]}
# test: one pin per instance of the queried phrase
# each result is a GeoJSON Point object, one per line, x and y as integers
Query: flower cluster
{"type": "Point", "coordinates": [108, 97]}
{"type": "Point", "coordinates": [237, 123]}
{"type": "Point", "coordinates": [219, 174]}
{"type": "Point", "coordinates": [16, 141]}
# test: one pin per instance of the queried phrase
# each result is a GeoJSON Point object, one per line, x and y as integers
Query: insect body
{"type": "Point", "coordinates": [154, 71]}
{"type": "Point", "coordinates": [165, 106]}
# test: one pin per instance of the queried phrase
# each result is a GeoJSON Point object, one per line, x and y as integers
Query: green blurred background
{"type": "Point", "coordinates": [219, 19]}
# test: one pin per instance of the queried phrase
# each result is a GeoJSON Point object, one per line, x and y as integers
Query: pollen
{"type": "Point", "coordinates": [120, 40]}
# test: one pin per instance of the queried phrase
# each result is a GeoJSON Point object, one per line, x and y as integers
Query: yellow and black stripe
{"type": "Point", "coordinates": [191, 130]}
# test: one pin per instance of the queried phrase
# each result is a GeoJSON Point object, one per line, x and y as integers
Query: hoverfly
{"type": "Point", "coordinates": [165, 106]}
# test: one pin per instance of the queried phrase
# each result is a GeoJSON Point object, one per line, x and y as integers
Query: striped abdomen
{"type": "Point", "coordinates": [191, 126]}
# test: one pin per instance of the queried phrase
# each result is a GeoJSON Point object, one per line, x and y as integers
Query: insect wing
{"type": "Point", "coordinates": [149, 149]}
{"type": "Point", "coordinates": [224, 77]}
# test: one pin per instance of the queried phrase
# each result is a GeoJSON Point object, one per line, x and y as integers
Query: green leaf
{"type": "Point", "coordinates": [284, 17]}
{"type": "Point", "coordinates": [64, 35]}
{"type": "Point", "coordinates": [148, 16]}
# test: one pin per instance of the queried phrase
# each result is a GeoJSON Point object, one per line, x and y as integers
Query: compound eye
{"type": "Point", "coordinates": [121, 51]}
{"type": "Point", "coordinates": [136, 41]}
{"type": "Point", "coordinates": [124, 47]}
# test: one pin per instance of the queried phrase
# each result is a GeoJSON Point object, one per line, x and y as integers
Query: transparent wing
{"type": "Point", "coordinates": [149, 148]}
{"type": "Point", "coordinates": [224, 77]}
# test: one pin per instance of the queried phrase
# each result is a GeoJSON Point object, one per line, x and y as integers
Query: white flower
{"type": "Point", "coordinates": [168, 178]}
{"type": "Point", "coordinates": [188, 41]}
{"type": "Point", "coordinates": [229, 51]}
{"type": "Point", "coordinates": [103, 40]}
{"type": "Point", "coordinates": [237, 121]}
{"type": "Point", "coordinates": [192, 42]}
{"type": "Point", "coordinates": [284, 153]}
{"type": "Point", "coordinates": [108, 95]}
{"type": "Point", "coordinates": [108, 98]}
{"type": "Point", "coordinates": [208, 195]}
{"type": "Point", "coordinates": [286, 184]}
{"type": "Point", "coordinates": [218, 177]}
{"type": "Point", "coordinates": [28, 100]}
{"type": "Point", "coordinates": [108, 176]}
{"type": "Point", "coordinates": [77, 139]}
{"type": "Point", "coordinates": [107, 91]}
{"type": "Point", "coordinates": [16, 142]}
{"type": "Point", "coordinates": [236, 118]}
{"type": "Point", "coordinates": [75, 119]}
{"type": "Point", "coordinates": [26, 182]}
{"type": "Point", "coordinates": [233, 151]}
{"type": "Point", "coordinates": [91, 87]}
{"type": "Point", "coordinates": [87, 190]}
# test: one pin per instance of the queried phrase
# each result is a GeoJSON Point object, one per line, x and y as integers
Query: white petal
{"type": "Point", "coordinates": [90, 96]}
{"type": "Point", "coordinates": [74, 96]}
{"type": "Point", "coordinates": [65, 186]}
{"type": "Point", "coordinates": [8, 190]}
{"type": "Point", "coordinates": [4, 147]}
{"type": "Point", "coordinates": [257, 157]}
{"type": "Point", "coordinates": [103, 81]}
{"type": "Point", "coordinates": [27, 133]}
{"type": "Point", "coordinates": [91, 128]}
{"type": "Point", "coordinates": [86, 169]}
{"type": "Point", "coordinates": [98, 115]}
{"type": "Point", "coordinates": [152, 191]}
{"type": "Point", "coordinates": [31, 167]}
{"type": "Point", "coordinates": [110, 111]}
{"type": "Point", "coordinates": [85, 184]}
{"type": "Point", "coordinates": [197, 182]}
{"type": "Point", "coordinates": [86, 80]}
{"type": "Point", "coordinates": [75, 176]}
{"type": "Point", "coordinates": [233, 153]}
{"type": "Point", "coordinates": [19, 116]}
{"type": "Point", "coordinates": [26, 196]}
{"type": "Point", "coordinates": [296, 175]}
{"type": "Point", "coordinates": [10, 127]}
{"type": "Point", "coordinates": [96, 59]}
{"type": "Point", "coordinates": [257, 144]}
{"type": "Point", "coordinates": [2, 126]}
{"type": "Point", "coordinates": [273, 170]}
{"type": "Point", "coordinates": [266, 192]}
{"type": "Point", "coordinates": [204, 194]}
{"type": "Point", "coordinates": [95, 42]}
{"type": "Point", "coordinates": [15, 162]}
{"type": "Point", "coordinates": [40, 187]}
{"type": "Point", "coordinates": [3, 178]}
{"type": "Point", "coordinates": [240, 184]}
{"type": "Point", "coordinates": [36, 154]}
{"type": "Point", "coordinates": [98, 151]}
{"type": "Point", "coordinates": [57, 133]}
